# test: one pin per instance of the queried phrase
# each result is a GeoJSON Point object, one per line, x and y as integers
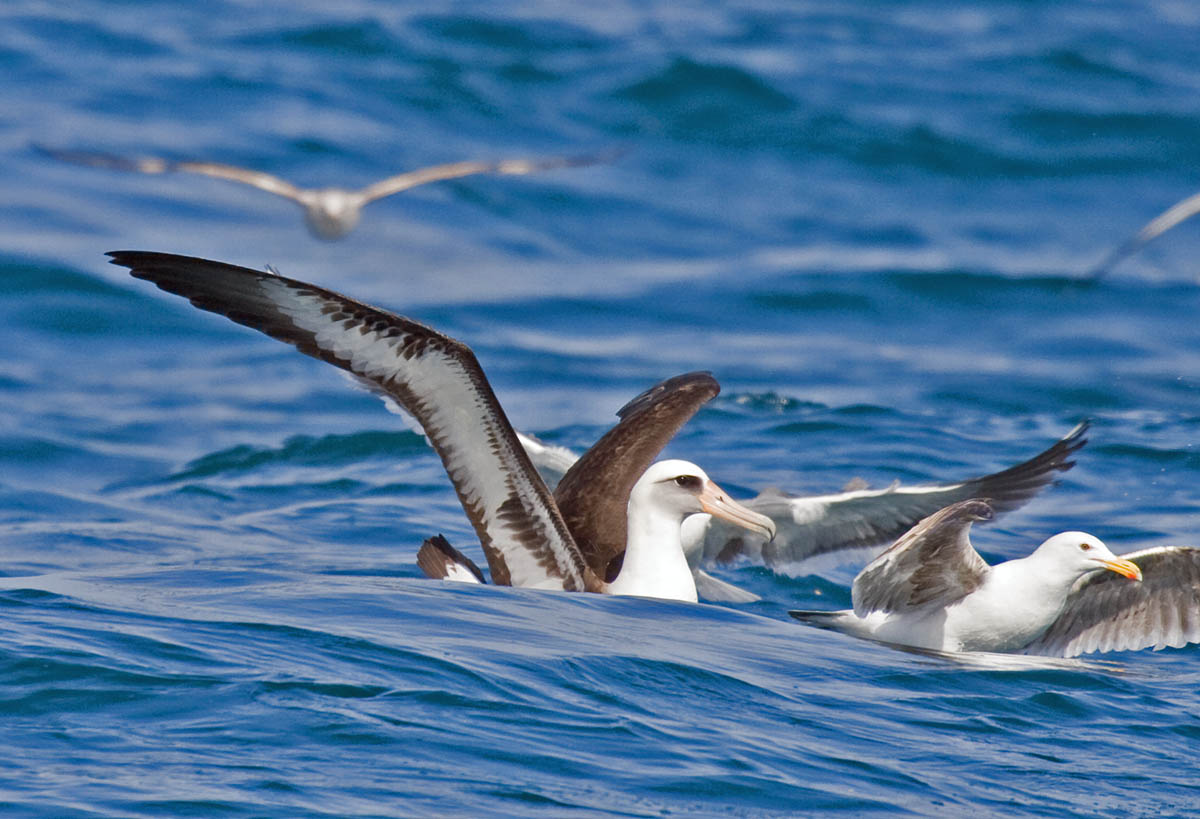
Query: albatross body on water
{"type": "Point", "coordinates": [652, 563]}
{"type": "Point", "coordinates": [1071, 596]}
{"type": "Point", "coordinates": [522, 529]}
{"type": "Point", "coordinates": [330, 213]}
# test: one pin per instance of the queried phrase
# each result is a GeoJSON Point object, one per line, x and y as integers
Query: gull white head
{"type": "Point", "coordinates": [1077, 554]}
{"type": "Point", "coordinates": [331, 213]}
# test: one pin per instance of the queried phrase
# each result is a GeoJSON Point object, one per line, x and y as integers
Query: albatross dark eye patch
{"type": "Point", "coordinates": [688, 481]}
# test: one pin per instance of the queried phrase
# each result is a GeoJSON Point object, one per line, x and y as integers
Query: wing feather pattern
{"type": "Point", "coordinates": [808, 527]}
{"type": "Point", "coordinates": [593, 496]}
{"type": "Point", "coordinates": [434, 377]}
{"type": "Point", "coordinates": [1106, 612]}
{"type": "Point", "coordinates": [930, 567]}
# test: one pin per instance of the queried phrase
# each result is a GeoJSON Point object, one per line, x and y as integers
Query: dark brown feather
{"type": "Point", "coordinates": [594, 494]}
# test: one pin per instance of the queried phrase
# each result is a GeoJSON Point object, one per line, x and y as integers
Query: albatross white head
{"type": "Point", "coordinates": [668, 492]}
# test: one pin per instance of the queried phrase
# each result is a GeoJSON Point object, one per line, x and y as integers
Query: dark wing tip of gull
{"type": "Point", "coordinates": [436, 557]}
{"type": "Point", "coordinates": [700, 381]}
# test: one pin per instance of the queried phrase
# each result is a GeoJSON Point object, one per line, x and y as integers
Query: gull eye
{"type": "Point", "coordinates": [1087, 547]}
{"type": "Point", "coordinates": [688, 481]}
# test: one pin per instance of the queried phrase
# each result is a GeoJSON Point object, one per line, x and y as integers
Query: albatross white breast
{"type": "Point", "coordinates": [837, 526]}
{"type": "Point", "coordinates": [652, 563]}
{"type": "Point", "coordinates": [520, 526]}
{"type": "Point", "coordinates": [1072, 595]}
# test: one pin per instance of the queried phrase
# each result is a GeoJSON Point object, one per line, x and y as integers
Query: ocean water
{"type": "Point", "coordinates": [870, 222]}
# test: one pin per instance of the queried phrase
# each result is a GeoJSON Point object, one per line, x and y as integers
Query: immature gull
{"type": "Point", "coordinates": [1071, 596]}
{"type": "Point", "coordinates": [437, 380]}
{"type": "Point", "coordinates": [1156, 227]}
{"type": "Point", "coordinates": [330, 213]}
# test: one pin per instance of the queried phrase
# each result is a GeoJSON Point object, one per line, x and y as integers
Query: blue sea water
{"type": "Point", "coordinates": [870, 221]}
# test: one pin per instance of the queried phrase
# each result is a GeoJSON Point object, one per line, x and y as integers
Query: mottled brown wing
{"type": "Point", "coordinates": [434, 377]}
{"type": "Point", "coordinates": [594, 494]}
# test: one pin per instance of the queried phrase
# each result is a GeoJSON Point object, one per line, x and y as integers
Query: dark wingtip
{"type": "Point", "coordinates": [436, 555]}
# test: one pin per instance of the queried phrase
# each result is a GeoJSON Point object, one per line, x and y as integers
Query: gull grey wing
{"type": "Point", "coordinates": [455, 170]}
{"type": "Point", "coordinates": [434, 377]}
{"type": "Point", "coordinates": [1169, 218]}
{"type": "Point", "coordinates": [1108, 612]}
{"type": "Point", "coordinates": [263, 181]}
{"type": "Point", "coordinates": [812, 526]}
{"type": "Point", "coordinates": [441, 561]}
{"type": "Point", "coordinates": [97, 159]}
{"type": "Point", "coordinates": [930, 566]}
{"type": "Point", "coordinates": [156, 165]}
{"type": "Point", "coordinates": [593, 496]}
{"type": "Point", "coordinates": [552, 461]}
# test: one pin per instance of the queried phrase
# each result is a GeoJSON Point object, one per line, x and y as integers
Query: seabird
{"type": "Point", "coordinates": [813, 526]}
{"type": "Point", "coordinates": [330, 213]}
{"type": "Point", "coordinates": [1169, 218]}
{"type": "Point", "coordinates": [836, 525]}
{"type": "Point", "coordinates": [652, 562]}
{"type": "Point", "coordinates": [440, 383]}
{"type": "Point", "coordinates": [1071, 596]}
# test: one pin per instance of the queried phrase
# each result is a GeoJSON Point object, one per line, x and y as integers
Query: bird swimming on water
{"type": "Point", "coordinates": [1071, 596]}
{"type": "Point", "coordinates": [523, 529]}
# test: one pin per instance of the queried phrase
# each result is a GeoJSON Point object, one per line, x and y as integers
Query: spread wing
{"type": "Point", "coordinates": [435, 378]}
{"type": "Point", "coordinates": [455, 170]}
{"type": "Point", "coordinates": [1156, 227]}
{"type": "Point", "coordinates": [931, 566]}
{"type": "Point", "coordinates": [807, 527]}
{"type": "Point", "coordinates": [593, 496]}
{"type": "Point", "coordinates": [1108, 612]}
{"type": "Point", "coordinates": [154, 165]}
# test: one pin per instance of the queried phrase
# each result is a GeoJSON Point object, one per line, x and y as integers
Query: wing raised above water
{"type": "Point", "coordinates": [434, 377]}
{"type": "Point", "coordinates": [930, 567]}
{"type": "Point", "coordinates": [593, 496]}
{"type": "Point", "coordinates": [812, 526]}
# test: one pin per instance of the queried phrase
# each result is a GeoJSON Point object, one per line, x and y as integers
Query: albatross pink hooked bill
{"type": "Point", "coordinates": [438, 380]}
{"type": "Point", "coordinates": [1071, 596]}
{"type": "Point", "coordinates": [652, 562]}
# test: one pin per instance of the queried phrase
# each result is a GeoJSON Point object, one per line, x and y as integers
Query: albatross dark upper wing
{"type": "Point", "coordinates": [1108, 612]}
{"type": "Point", "coordinates": [594, 494]}
{"type": "Point", "coordinates": [434, 377]}
{"type": "Point", "coordinates": [931, 566]}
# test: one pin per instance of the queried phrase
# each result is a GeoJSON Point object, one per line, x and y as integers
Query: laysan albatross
{"type": "Point", "coordinates": [439, 381]}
